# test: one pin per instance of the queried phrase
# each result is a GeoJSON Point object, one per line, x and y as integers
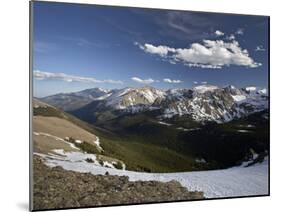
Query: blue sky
{"type": "Point", "coordinates": [84, 46]}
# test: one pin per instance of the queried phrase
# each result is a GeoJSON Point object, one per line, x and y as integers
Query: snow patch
{"type": "Point", "coordinates": [243, 131]}
{"type": "Point", "coordinates": [232, 182]}
{"type": "Point", "coordinates": [200, 160]}
{"type": "Point", "coordinates": [164, 123]}
{"type": "Point", "coordinates": [78, 159]}
{"type": "Point", "coordinates": [78, 141]}
{"type": "Point", "coordinates": [263, 91]}
{"type": "Point", "coordinates": [97, 142]}
{"type": "Point", "coordinates": [104, 96]}
{"type": "Point", "coordinates": [238, 98]}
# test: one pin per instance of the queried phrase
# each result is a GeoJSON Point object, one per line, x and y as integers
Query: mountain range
{"type": "Point", "coordinates": [205, 103]}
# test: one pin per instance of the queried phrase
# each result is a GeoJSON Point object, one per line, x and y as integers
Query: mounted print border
{"type": "Point", "coordinates": [137, 105]}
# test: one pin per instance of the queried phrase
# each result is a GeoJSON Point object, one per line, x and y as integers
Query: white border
{"type": "Point", "coordinates": [14, 84]}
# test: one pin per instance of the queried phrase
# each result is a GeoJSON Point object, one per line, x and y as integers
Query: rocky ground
{"type": "Point", "coordinates": [58, 188]}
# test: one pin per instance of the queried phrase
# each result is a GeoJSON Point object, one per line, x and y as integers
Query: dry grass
{"type": "Point", "coordinates": [60, 128]}
{"type": "Point", "coordinates": [45, 145]}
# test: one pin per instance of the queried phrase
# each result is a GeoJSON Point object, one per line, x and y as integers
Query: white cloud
{"type": "Point", "coordinates": [239, 31]}
{"type": "Point", "coordinates": [172, 62]}
{"type": "Point", "coordinates": [195, 82]}
{"type": "Point", "coordinates": [219, 33]}
{"type": "Point", "coordinates": [143, 81]}
{"type": "Point", "coordinates": [159, 50]}
{"type": "Point", "coordinates": [259, 48]}
{"type": "Point", "coordinates": [204, 82]}
{"type": "Point", "coordinates": [196, 65]}
{"type": "Point", "coordinates": [42, 75]}
{"type": "Point", "coordinates": [209, 54]}
{"type": "Point", "coordinates": [230, 37]}
{"type": "Point", "coordinates": [171, 81]}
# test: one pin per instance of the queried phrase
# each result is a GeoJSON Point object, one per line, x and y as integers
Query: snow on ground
{"type": "Point", "coordinates": [186, 130]}
{"type": "Point", "coordinates": [183, 129]}
{"type": "Point", "coordinates": [263, 91]}
{"type": "Point", "coordinates": [247, 126]}
{"type": "Point", "coordinates": [200, 160]}
{"type": "Point", "coordinates": [78, 141]}
{"type": "Point", "coordinates": [236, 181]}
{"type": "Point", "coordinates": [164, 123]}
{"type": "Point", "coordinates": [250, 125]}
{"type": "Point", "coordinates": [243, 131]}
{"type": "Point", "coordinates": [97, 142]}
{"type": "Point", "coordinates": [239, 98]}
{"type": "Point", "coordinates": [77, 158]}
{"type": "Point", "coordinates": [107, 164]}
{"type": "Point", "coordinates": [104, 96]}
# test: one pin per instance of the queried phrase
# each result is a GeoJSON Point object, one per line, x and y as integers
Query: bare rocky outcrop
{"type": "Point", "coordinates": [58, 188]}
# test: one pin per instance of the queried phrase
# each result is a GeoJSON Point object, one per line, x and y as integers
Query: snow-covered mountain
{"type": "Point", "coordinates": [201, 103]}
{"type": "Point", "coordinates": [133, 97]}
{"type": "Point", "coordinates": [210, 103]}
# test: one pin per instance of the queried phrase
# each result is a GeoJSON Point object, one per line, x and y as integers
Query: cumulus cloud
{"type": "Point", "coordinates": [259, 48]}
{"type": "Point", "coordinates": [204, 82]}
{"type": "Point", "coordinates": [219, 33]}
{"type": "Point", "coordinates": [171, 81]}
{"type": "Point", "coordinates": [159, 50]}
{"type": "Point", "coordinates": [230, 37]}
{"type": "Point", "coordinates": [209, 54]}
{"type": "Point", "coordinates": [195, 82]}
{"type": "Point", "coordinates": [196, 65]}
{"type": "Point", "coordinates": [42, 75]}
{"type": "Point", "coordinates": [239, 31]}
{"type": "Point", "coordinates": [143, 81]}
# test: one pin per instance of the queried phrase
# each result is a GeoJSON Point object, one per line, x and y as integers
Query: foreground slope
{"type": "Point", "coordinates": [247, 179]}
{"type": "Point", "coordinates": [53, 129]}
{"type": "Point", "coordinates": [56, 188]}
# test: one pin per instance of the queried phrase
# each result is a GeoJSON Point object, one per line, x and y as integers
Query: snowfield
{"type": "Point", "coordinates": [232, 182]}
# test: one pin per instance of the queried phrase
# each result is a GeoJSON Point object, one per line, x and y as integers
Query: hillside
{"type": "Point", "coordinates": [54, 130]}
{"type": "Point", "coordinates": [134, 154]}
{"type": "Point", "coordinates": [57, 136]}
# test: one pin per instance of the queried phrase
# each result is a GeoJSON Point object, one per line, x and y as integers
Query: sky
{"type": "Point", "coordinates": [77, 46]}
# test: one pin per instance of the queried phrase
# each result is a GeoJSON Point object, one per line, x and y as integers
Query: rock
{"type": "Point", "coordinates": [58, 188]}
